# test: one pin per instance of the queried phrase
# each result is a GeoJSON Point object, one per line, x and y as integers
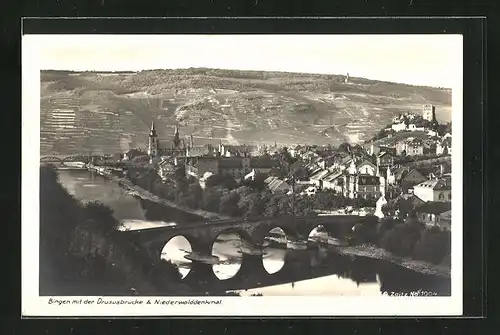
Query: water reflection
{"type": "Point", "coordinates": [322, 286]}
{"type": "Point", "coordinates": [228, 249]}
{"type": "Point", "coordinates": [274, 250]}
{"type": "Point", "coordinates": [175, 251]}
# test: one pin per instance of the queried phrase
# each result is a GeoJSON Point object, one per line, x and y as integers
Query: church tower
{"type": "Point", "coordinates": [177, 140]}
{"type": "Point", "coordinates": [153, 142]}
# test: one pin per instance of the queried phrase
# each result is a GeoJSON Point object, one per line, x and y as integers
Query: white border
{"type": "Point", "coordinates": [33, 305]}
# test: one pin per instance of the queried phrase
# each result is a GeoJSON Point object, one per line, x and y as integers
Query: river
{"type": "Point", "coordinates": [348, 275]}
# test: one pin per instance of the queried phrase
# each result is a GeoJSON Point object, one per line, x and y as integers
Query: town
{"type": "Point", "coordinates": [406, 165]}
{"type": "Point", "coordinates": [403, 174]}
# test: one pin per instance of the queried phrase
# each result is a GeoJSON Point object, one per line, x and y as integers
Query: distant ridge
{"type": "Point", "coordinates": [111, 111]}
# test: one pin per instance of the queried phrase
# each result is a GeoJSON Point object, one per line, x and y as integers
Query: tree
{"type": "Point", "coordinates": [257, 184]}
{"type": "Point", "coordinates": [433, 246]}
{"type": "Point", "coordinates": [273, 207]}
{"type": "Point", "coordinates": [180, 174]}
{"type": "Point", "coordinates": [101, 216]}
{"type": "Point", "coordinates": [386, 224]}
{"type": "Point", "coordinates": [345, 147]}
{"type": "Point", "coordinates": [277, 172]}
{"type": "Point", "coordinates": [224, 181]}
{"type": "Point", "coordinates": [303, 206]}
{"type": "Point", "coordinates": [326, 200]}
{"type": "Point", "coordinates": [211, 199]}
{"type": "Point", "coordinates": [402, 238]}
{"type": "Point", "coordinates": [192, 197]}
{"type": "Point", "coordinates": [229, 203]}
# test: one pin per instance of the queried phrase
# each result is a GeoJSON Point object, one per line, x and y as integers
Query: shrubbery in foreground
{"type": "Point", "coordinates": [81, 252]}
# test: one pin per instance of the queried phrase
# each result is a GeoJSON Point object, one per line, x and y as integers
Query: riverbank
{"type": "Point", "coordinates": [138, 191]}
{"type": "Point", "coordinates": [371, 251]}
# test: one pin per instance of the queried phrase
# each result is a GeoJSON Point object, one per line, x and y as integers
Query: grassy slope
{"type": "Point", "coordinates": [235, 106]}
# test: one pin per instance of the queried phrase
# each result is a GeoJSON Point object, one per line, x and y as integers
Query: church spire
{"type": "Point", "coordinates": [153, 129]}
{"type": "Point", "coordinates": [153, 142]}
{"type": "Point", "coordinates": [177, 140]}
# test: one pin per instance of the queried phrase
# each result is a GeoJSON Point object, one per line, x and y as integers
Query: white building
{"type": "Point", "coordinates": [391, 178]}
{"type": "Point", "coordinates": [412, 127]}
{"type": "Point", "coordinates": [378, 207]}
{"type": "Point", "coordinates": [399, 127]}
{"type": "Point", "coordinates": [434, 190]}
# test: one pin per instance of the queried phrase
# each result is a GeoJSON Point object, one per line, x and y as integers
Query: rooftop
{"type": "Point", "coordinates": [436, 184]}
{"type": "Point", "coordinates": [433, 207]}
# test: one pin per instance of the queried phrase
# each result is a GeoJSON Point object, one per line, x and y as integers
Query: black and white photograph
{"type": "Point", "coordinates": [242, 174]}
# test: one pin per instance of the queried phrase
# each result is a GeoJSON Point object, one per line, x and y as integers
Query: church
{"type": "Point", "coordinates": [155, 151]}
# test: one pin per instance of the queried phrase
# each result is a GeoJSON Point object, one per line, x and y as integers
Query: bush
{"type": "Point", "coordinates": [211, 199]}
{"type": "Point", "coordinates": [224, 181]}
{"type": "Point", "coordinates": [401, 239]}
{"type": "Point", "coordinates": [433, 246]}
{"type": "Point", "coordinates": [229, 203]}
{"type": "Point", "coordinates": [81, 253]}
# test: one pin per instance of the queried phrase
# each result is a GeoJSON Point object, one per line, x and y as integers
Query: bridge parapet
{"type": "Point", "coordinates": [203, 236]}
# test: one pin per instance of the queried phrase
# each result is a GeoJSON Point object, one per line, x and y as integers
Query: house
{"type": "Point", "coordinates": [430, 213]}
{"type": "Point", "coordinates": [386, 159]}
{"type": "Point", "coordinates": [397, 127]}
{"type": "Point", "coordinates": [235, 150]}
{"type": "Point", "coordinates": [444, 221]}
{"type": "Point", "coordinates": [276, 185]}
{"type": "Point", "coordinates": [196, 151]}
{"type": "Point", "coordinates": [367, 168]}
{"type": "Point", "coordinates": [410, 146]}
{"type": "Point", "coordinates": [317, 177]}
{"type": "Point", "coordinates": [333, 181]}
{"type": "Point", "coordinates": [444, 147]}
{"type": "Point", "coordinates": [372, 148]}
{"type": "Point", "coordinates": [415, 147]}
{"type": "Point", "coordinates": [204, 179]}
{"type": "Point", "coordinates": [413, 127]}
{"type": "Point", "coordinates": [360, 185]}
{"type": "Point", "coordinates": [164, 168]}
{"type": "Point", "coordinates": [400, 147]}
{"type": "Point", "coordinates": [407, 178]}
{"type": "Point", "coordinates": [429, 146]}
{"type": "Point", "coordinates": [438, 190]}
{"type": "Point", "coordinates": [389, 177]}
{"type": "Point", "coordinates": [237, 167]}
{"type": "Point", "coordinates": [368, 186]}
{"type": "Point", "coordinates": [415, 201]}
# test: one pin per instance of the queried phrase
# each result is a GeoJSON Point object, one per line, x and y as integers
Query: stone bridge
{"type": "Point", "coordinates": [202, 236]}
{"type": "Point", "coordinates": [298, 264]}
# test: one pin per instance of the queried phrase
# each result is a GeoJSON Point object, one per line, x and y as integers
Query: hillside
{"type": "Point", "coordinates": [108, 112]}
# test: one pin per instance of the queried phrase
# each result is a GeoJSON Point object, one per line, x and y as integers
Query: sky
{"type": "Point", "coordinates": [431, 60]}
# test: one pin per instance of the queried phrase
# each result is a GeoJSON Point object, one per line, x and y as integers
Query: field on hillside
{"type": "Point", "coordinates": [109, 112]}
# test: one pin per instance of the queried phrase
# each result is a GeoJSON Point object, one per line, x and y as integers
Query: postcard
{"type": "Point", "coordinates": [241, 175]}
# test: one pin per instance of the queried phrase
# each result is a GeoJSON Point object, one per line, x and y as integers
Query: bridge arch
{"type": "Point", "coordinates": [76, 158]}
{"type": "Point", "coordinates": [260, 233]}
{"type": "Point", "coordinates": [234, 253]}
{"type": "Point", "coordinates": [50, 159]}
{"type": "Point", "coordinates": [175, 250]}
